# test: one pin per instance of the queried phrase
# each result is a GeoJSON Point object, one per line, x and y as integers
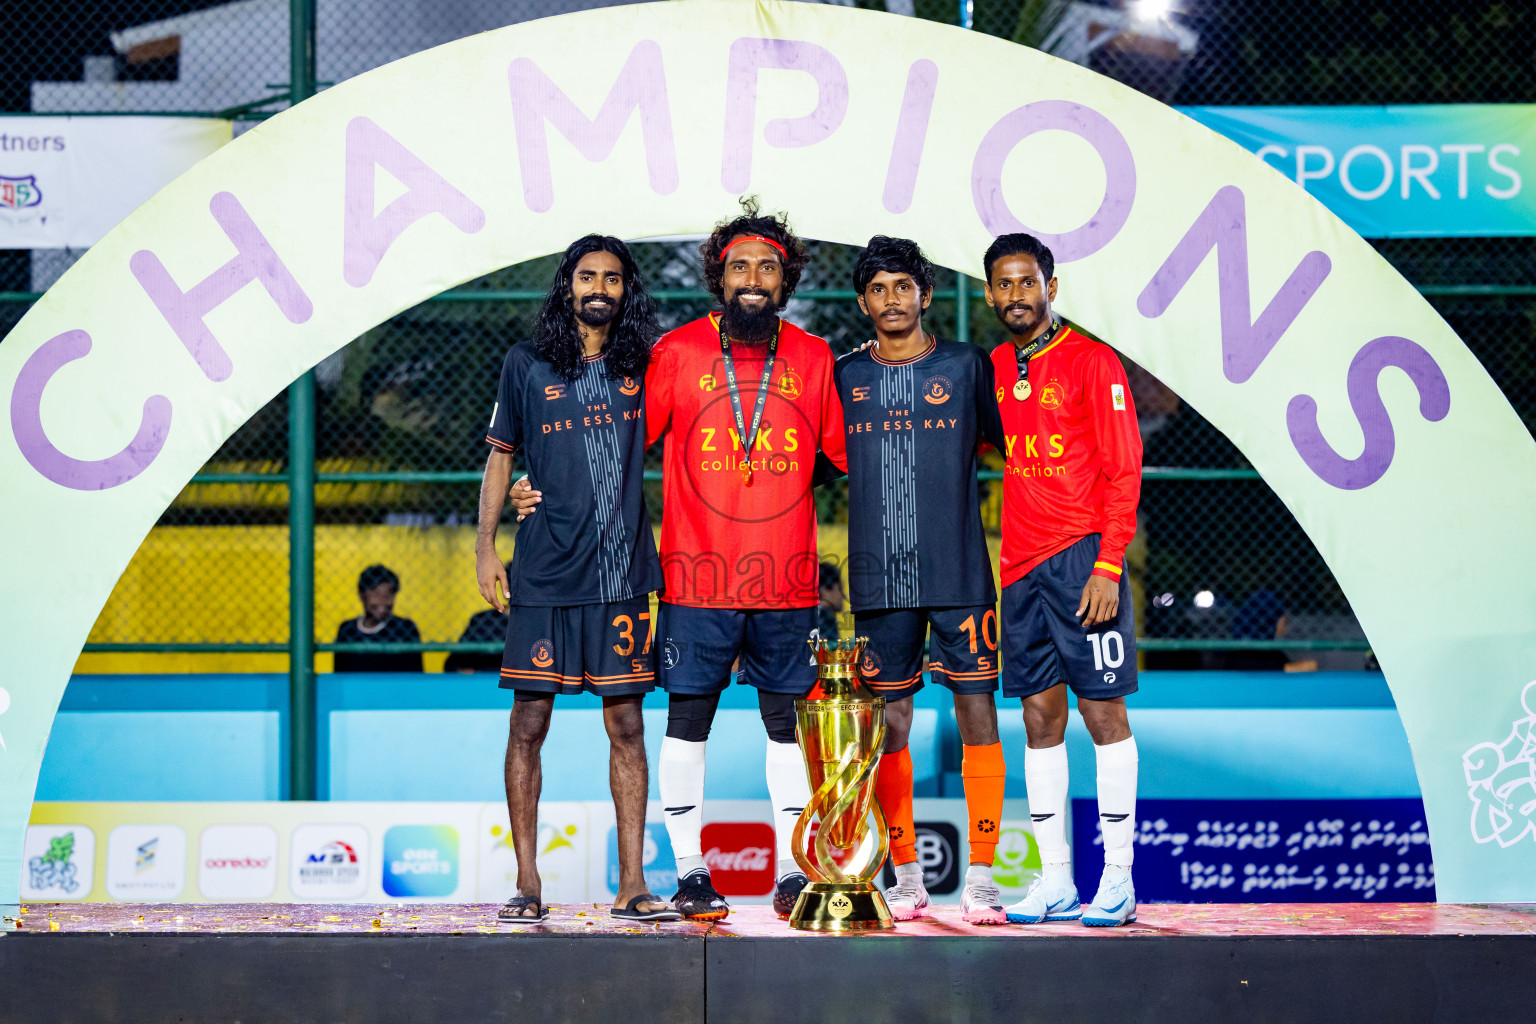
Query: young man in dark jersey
{"type": "Point", "coordinates": [571, 400]}
{"type": "Point", "coordinates": [744, 401]}
{"type": "Point", "coordinates": [1073, 479]}
{"type": "Point", "coordinates": [916, 409]}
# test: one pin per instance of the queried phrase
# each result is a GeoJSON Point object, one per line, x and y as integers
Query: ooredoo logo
{"type": "Point", "coordinates": [739, 855]}
{"type": "Point", "coordinates": [237, 862]}
{"type": "Point", "coordinates": [421, 860]}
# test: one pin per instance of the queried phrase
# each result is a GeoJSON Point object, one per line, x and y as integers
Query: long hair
{"type": "Point", "coordinates": [753, 222]}
{"type": "Point", "coordinates": [631, 332]}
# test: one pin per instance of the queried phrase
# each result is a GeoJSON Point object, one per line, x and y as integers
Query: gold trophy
{"type": "Point", "coordinates": [842, 736]}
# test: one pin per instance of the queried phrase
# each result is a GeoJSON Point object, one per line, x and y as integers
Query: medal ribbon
{"type": "Point", "coordinates": [748, 440]}
{"type": "Point", "coordinates": [1023, 354]}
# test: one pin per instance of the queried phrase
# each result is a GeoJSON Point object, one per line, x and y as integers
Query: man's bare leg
{"type": "Point", "coordinates": [629, 780]}
{"type": "Point", "coordinates": [524, 779]}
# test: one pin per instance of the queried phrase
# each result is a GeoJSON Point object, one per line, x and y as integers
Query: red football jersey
{"type": "Point", "coordinates": [1073, 458]}
{"type": "Point", "coordinates": [726, 543]}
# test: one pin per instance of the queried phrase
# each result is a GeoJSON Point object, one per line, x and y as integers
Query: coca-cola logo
{"type": "Point", "coordinates": [740, 857]}
{"type": "Point", "coordinates": [255, 863]}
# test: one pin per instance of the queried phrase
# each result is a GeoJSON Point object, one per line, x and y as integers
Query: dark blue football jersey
{"type": "Point", "coordinates": [590, 541]}
{"type": "Point", "coordinates": [914, 515]}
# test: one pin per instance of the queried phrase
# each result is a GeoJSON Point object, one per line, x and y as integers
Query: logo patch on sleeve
{"type": "Point", "coordinates": [494, 410]}
{"type": "Point", "coordinates": [1117, 396]}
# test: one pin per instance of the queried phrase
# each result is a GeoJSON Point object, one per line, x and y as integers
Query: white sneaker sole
{"type": "Point", "coordinates": [983, 915]}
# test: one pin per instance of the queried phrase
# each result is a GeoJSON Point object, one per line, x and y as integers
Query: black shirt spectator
{"type": "Point", "coordinates": [377, 588]}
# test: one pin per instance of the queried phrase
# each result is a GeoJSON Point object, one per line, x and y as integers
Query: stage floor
{"type": "Point", "coordinates": [1165, 920]}
{"type": "Point", "coordinates": [1186, 963]}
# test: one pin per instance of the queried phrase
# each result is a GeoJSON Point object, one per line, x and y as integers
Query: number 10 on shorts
{"type": "Point", "coordinates": [1108, 649]}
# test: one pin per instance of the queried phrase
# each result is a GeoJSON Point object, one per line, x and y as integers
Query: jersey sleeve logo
{"type": "Point", "coordinates": [790, 385]}
{"type": "Point", "coordinates": [1050, 396]}
{"type": "Point", "coordinates": [999, 396]}
{"type": "Point", "coordinates": [630, 386]}
{"type": "Point", "coordinates": [495, 408]}
{"type": "Point", "coordinates": [1117, 396]}
{"type": "Point", "coordinates": [936, 390]}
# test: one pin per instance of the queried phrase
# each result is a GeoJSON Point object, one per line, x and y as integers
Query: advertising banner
{"type": "Point", "coordinates": [66, 181]}
{"type": "Point", "coordinates": [1268, 851]}
{"type": "Point", "coordinates": [1400, 172]}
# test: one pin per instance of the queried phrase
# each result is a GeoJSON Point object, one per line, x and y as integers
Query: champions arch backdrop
{"type": "Point", "coordinates": [1355, 401]}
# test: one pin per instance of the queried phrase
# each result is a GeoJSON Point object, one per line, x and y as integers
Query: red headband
{"type": "Point", "coordinates": [753, 238]}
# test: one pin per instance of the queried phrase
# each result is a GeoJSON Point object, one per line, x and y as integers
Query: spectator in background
{"type": "Point", "coordinates": [831, 601]}
{"type": "Point", "coordinates": [487, 627]}
{"type": "Point", "coordinates": [1262, 617]}
{"type": "Point", "coordinates": [377, 588]}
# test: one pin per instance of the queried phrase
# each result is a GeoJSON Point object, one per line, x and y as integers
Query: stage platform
{"type": "Point", "coordinates": [1177, 963]}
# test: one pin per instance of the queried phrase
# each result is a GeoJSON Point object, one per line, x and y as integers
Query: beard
{"type": "Point", "coordinates": [750, 325]}
{"type": "Point", "coordinates": [595, 316]}
{"type": "Point", "coordinates": [1021, 327]}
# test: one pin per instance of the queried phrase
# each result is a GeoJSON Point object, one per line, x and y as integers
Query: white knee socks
{"type": "Point", "coordinates": [680, 778]}
{"type": "Point", "coordinates": [790, 791]}
{"type": "Point", "coordinates": [1117, 800]}
{"type": "Point", "coordinates": [1045, 780]}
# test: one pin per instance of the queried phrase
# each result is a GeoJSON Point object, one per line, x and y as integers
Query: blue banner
{"type": "Point", "coordinates": [1399, 172]}
{"type": "Point", "coordinates": [1268, 851]}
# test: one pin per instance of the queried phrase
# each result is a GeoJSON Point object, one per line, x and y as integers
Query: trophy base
{"type": "Point", "coordinates": [841, 907]}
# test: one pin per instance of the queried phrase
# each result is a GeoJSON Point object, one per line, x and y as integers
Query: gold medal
{"type": "Point", "coordinates": [1021, 390]}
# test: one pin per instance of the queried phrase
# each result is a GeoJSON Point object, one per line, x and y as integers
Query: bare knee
{"type": "Point", "coordinates": [625, 724]}
{"type": "Point", "coordinates": [1106, 720]}
{"type": "Point", "coordinates": [1045, 717]}
{"type": "Point", "coordinates": [530, 723]}
{"type": "Point", "coordinates": [898, 724]}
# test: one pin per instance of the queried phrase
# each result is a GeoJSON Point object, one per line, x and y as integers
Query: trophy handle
{"type": "Point", "coordinates": [869, 857]}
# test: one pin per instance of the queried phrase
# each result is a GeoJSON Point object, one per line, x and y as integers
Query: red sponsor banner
{"type": "Point", "coordinates": [740, 858]}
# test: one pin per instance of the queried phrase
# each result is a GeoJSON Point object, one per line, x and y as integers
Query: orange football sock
{"type": "Point", "coordinates": [893, 788]}
{"type": "Point", "coordinates": [983, 772]}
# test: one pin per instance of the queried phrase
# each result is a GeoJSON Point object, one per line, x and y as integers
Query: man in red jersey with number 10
{"type": "Point", "coordinates": [1072, 481]}
{"type": "Point", "coordinates": [744, 401]}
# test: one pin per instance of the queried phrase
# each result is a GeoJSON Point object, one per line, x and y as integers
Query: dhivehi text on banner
{"type": "Point", "coordinates": [66, 181]}
{"type": "Point", "coordinates": [1400, 172]}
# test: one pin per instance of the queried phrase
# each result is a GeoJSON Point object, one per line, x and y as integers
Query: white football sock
{"type": "Point", "coordinates": [1117, 800]}
{"type": "Point", "coordinates": [680, 778]}
{"type": "Point", "coordinates": [1045, 783]}
{"type": "Point", "coordinates": [790, 791]}
{"type": "Point", "coordinates": [978, 874]}
{"type": "Point", "coordinates": [910, 873]}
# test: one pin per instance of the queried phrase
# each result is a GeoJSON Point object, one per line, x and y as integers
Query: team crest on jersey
{"type": "Point", "coordinates": [790, 385]}
{"type": "Point", "coordinates": [670, 655]}
{"type": "Point", "coordinates": [936, 390]}
{"type": "Point", "coordinates": [707, 382]}
{"type": "Point", "coordinates": [630, 386]}
{"type": "Point", "coordinates": [870, 664]}
{"type": "Point", "coordinates": [1050, 396]}
{"type": "Point", "coordinates": [542, 653]}
{"type": "Point", "coordinates": [1117, 396]}
{"type": "Point", "coordinates": [999, 396]}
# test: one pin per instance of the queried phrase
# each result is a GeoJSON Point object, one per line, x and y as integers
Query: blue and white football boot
{"type": "Point", "coordinates": [1046, 901]}
{"type": "Point", "coordinates": [1115, 902]}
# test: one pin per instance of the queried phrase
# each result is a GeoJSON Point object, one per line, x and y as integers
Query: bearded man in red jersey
{"type": "Point", "coordinates": [1072, 482]}
{"type": "Point", "coordinates": [744, 400]}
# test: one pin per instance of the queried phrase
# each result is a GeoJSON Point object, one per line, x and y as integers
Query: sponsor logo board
{"type": "Point", "coordinates": [421, 861]}
{"type": "Point", "coordinates": [740, 857]}
{"type": "Point", "coordinates": [237, 862]}
{"type": "Point", "coordinates": [58, 862]}
{"type": "Point", "coordinates": [328, 862]}
{"type": "Point", "coordinates": [938, 854]}
{"type": "Point", "coordinates": [656, 860]}
{"type": "Point", "coordinates": [560, 846]}
{"type": "Point", "coordinates": [146, 863]}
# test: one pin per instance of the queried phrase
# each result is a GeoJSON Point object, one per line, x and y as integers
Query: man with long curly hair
{"type": "Point", "coordinates": [572, 402]}
{"type": "Point", "coordinates": [744, 400]}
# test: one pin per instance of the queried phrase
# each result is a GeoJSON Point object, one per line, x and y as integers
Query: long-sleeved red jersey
{"type": "Point", "coordinates": [1073, 458]}
{"type": "Point", "coordinates": [726, 543]}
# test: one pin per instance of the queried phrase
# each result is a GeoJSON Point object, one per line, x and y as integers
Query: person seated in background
{"type": "Point", "coordinates": [377, 588]}
{"type": "Point", "coordinates": [1262, 617]}
{"type": "Point", "coordinates": [487, 627]}
{"type": "Point", "coordinates": [831, 601]}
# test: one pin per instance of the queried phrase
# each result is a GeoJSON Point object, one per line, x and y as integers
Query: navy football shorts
{"type": "Point", "coordinates": [1043, 642]}
{"type": "Point", "coordinates": [964, 649]}
{"type": "Point", "coordinates": [598, 648]}
{"type": "Point", "coordinates": [696, 647]}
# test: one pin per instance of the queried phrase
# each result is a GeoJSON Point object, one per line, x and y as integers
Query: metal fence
{"type": "Point", "coordinates": [392, 425]}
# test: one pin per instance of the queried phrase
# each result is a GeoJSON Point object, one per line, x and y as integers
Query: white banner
{"type": "Point", "coordinates": [66, 181]}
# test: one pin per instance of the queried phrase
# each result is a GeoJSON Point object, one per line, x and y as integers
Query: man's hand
{"type": "Point", "coordinates": [491, 572]}
{"type": "Point", "coordinates": [1101, 601]}
{"type": "Point", "coordinates": [524, 499]}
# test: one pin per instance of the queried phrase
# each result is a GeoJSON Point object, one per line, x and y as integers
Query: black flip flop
{"type": "Point", "coordinates": [632, 911]}
{"type": "Point", "coordinates": [512, 912]}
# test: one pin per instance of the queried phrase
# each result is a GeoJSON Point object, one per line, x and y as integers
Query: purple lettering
{"type": "Point", "coordinates": [32, 440]}
{"type": "Point", "coordinates": [1223, 226]}
{"type": "Point", "coordinates": [1364, 398]}
{"type": "Point", "coordinates": [641, 85]}
{"type": "Point", "coordinates": [1090, 126]}
{"type": "Point", "coordinates": [254, 261]}
{"type": "Point", "coordinates": [366, 238]}
{"type": "Point", "coordinates": [750, 56]}
{"type": "Point", "coordinates": [911, 133]}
